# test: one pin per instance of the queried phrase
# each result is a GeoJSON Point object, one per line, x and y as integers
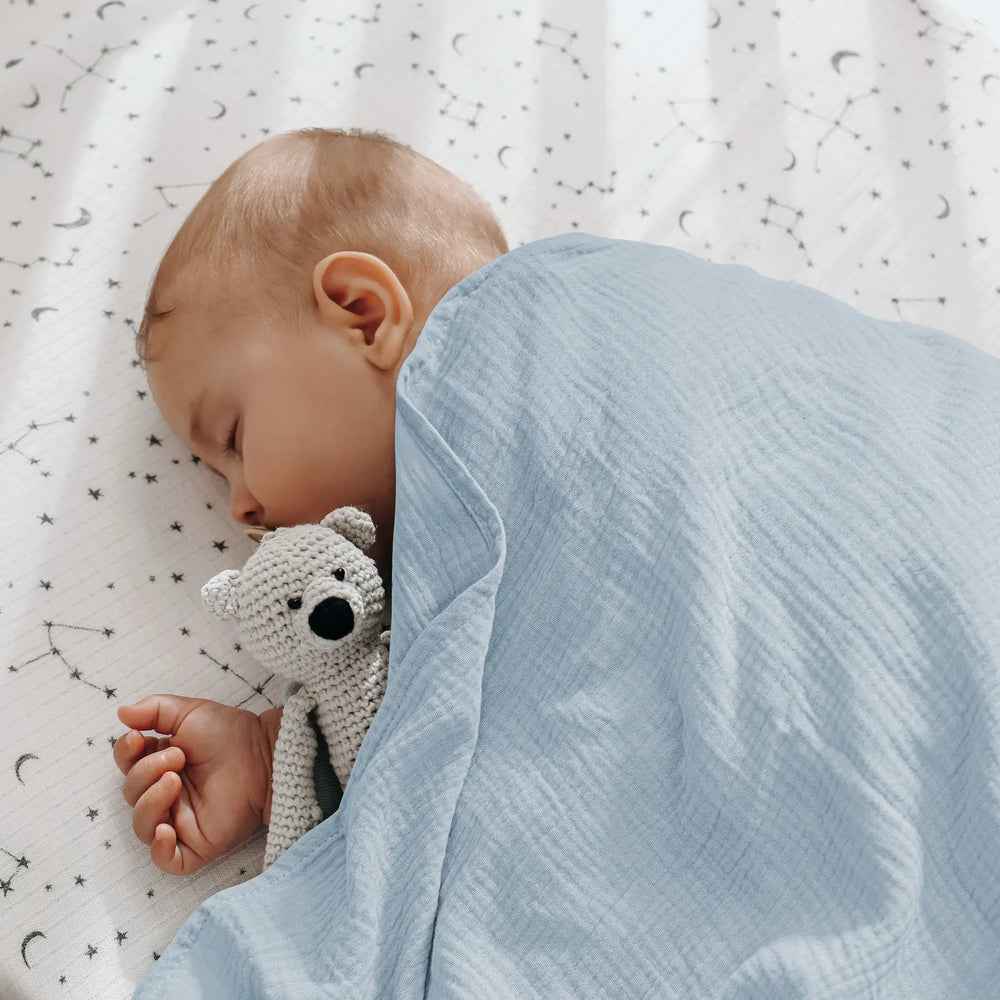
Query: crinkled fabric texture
{"type": "Point", "coordinates": [694, 686]}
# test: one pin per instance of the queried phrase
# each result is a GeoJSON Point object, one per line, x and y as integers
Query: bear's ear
{"type": "Point", "coordinates": [355, 525]}
{"type": "Point", "coordinates": [219, 594]}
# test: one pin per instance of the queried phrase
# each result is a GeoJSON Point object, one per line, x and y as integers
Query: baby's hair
{"type": "Point", "coordinates": [292, 200]}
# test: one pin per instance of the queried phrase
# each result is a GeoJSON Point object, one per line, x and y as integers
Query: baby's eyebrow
{"type": "Point", "coordinates": [194, 415]}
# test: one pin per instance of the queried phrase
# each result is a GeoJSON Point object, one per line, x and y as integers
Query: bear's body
{"type": "Point", "coordinates": [309, 605]}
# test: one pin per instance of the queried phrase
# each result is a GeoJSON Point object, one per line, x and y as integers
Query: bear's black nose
{"type": "Point", "coordinates": [332, 618]}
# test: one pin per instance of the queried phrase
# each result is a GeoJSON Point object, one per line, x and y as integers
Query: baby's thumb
{"type": "Point", "coordinates": [162, 713]}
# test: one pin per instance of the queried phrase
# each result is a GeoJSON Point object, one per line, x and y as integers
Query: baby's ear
{"type": "Point", "coordinates": [219, 594]}
{"type": "Point", "coordinates": [355, 525]}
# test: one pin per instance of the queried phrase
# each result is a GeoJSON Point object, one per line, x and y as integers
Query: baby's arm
{"type": "Point", "coordinates": [202, 789]}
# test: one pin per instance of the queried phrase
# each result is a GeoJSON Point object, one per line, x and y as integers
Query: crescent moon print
{"type": "Point", "coordinates": [20, 762]}
{"type": "Point", "coordinates": [718, 18]}
{"type": "Point", "coordinates": [246, 13]}
{"type": "Point", "coordinates": [104, 6]}
{"type": "Point", "coordinates": [35, 313]}
{"type": "Point", "coordinates": [34, 101]}
{"type": "Point", "coordinates": [454, 43]}
{"type": "Point", "coordinates": [222, 111]}
{"type": "Point", "coordinates": [838, 56]}
{"type": "Point", "coordinates": [26, 942]}
{"type": "Point", "coordinates": [82, 221]}
{"type": "Point", "coordinates": [360, 67]}
{"type": "Point", "coordinates": [989, 76]}
{"type": "Point", "coordinates": [500, 152]}
{"type": "Point", "coordinates": [680, 221]}
{"type": "Point", "coordinates": [791, 166]}
{"type": "Point", "coordinates": [947, 208]}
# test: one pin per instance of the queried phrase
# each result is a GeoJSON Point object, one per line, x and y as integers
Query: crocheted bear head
{"type": "Point", "coordinates": [307, 596]}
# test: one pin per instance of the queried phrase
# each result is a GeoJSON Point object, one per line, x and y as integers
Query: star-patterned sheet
{"type": "Point", "coordinates": [851, 145]}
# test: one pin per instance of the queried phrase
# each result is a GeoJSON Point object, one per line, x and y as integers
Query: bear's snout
{"type": "Point", "coordinates": [332, 618]}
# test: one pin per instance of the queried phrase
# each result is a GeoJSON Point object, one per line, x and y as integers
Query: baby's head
{"type": "Point", "coordinates": [283, 309]}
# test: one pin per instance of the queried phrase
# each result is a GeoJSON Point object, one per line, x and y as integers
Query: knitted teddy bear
{"type": "Point", "coordinates": [309, 604]}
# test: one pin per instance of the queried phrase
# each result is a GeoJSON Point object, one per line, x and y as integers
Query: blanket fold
{"type": "Point", "coordinates": [694, 686]}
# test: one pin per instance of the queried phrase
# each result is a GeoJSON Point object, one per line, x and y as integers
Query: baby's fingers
{"type": "Point", "coordinates": [171, 857]}
{"type": "Point", "coordinates": [154, 805]}
{"type": "Point", "coordinates": [133, 745]}
{"type": "Point", "coordinates": [147, 771]}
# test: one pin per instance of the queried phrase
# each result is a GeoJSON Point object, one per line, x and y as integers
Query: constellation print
{"type": "Point", "coordinates": [942, 34]}
{"type": "Point", "coordinates": [161, 189]}
{"type": "Point", "coordinates": [897, 302]}
{"type": "Point", "coordinates": [42, 260]}
{"type": "Point", "coordinates": [837, 124]}
{"type": "Point", "coordinates": [453, 98]}
{"type": "Point", "coordinates": [684, 125]}
{"type": "Point", "coordinates": [20, 863]}
{"type": "Point", "coordinates": [14, 447]}
{"type": "Point", "coordinates": [90, 70]}
{"type": "Point", "coordinates": [8, 138]}
{"type": "Point", "coordinates": [54, 650]}
{"type": "Point", "coordinates": [561, 35]}
{"type": "Point", "coordinates": [796, 215]}
{"type": "Point", "coordinates": [591, 184]}
{"type": "Point", "coordinates": [374, 19]}
{"type": "Point", "coordinates": [255, 689]}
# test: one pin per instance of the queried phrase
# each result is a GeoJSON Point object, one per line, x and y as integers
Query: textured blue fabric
{"type": "Point", "coordinates": [695, 677]}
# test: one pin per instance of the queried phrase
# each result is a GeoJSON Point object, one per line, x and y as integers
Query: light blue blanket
{"type": "Point", "coordinates": [695, 676]}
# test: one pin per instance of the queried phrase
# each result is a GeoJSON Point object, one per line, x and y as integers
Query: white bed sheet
{"type": "Point", "coordinates": [851, 145]}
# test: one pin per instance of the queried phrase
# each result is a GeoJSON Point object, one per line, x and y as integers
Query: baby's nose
{"type": "Point", "coordinates": [243, 507]}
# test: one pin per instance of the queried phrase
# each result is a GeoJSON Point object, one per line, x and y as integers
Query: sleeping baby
{"type": "Point", "coordinates": [695, 631]}
{"type": "Point", "coordinates": [274, 331]}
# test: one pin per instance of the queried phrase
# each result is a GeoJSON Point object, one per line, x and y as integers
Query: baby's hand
{"type": "Point", "coordinates": [202, 789]}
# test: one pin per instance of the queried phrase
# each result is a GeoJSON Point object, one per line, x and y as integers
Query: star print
{"type": "Point", "coordinates": [45, 584]}
{"type": "Point", "coordinates": [178, 577]}
{"type": "Point", "coordinates": [121, 935]}
{"type": "Point", "coordinates": [176, 526]}
{"type": "Point", "coordinates": [91, 950]}
{"type": "Point", "coordinates": [185, 630]}
{"type": "Point", "coordinates": [79, 880]}
{"type": "Point", "coordinates": [221, 546]}
{"type": "Point", "coordinates": [150, 478]}
{"type": "Point", "coordinates": [96, 494]}
{"type": "Point", "coordinates": [45, 519]}
{"type": "Point", "coordinates": [154, 440]}
{"type": "Point", "coordinates": [92, 439]}
{"type": "Point", "coordinates": [91, 814]}
{"type": "Point", "coordinates": [6, 886]}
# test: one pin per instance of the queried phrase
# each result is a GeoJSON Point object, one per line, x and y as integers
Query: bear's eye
{"type": "Point", "coordinates": [295, 603]}
{"type": "Point", "coordinates": [339, 574]}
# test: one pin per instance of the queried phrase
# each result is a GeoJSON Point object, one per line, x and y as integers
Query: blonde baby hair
{"type": "Point", "coordinates": [293, 199]}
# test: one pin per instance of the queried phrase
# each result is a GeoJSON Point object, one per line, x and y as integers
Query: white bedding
{"type": "Point", "coordinates": [850, 145]}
